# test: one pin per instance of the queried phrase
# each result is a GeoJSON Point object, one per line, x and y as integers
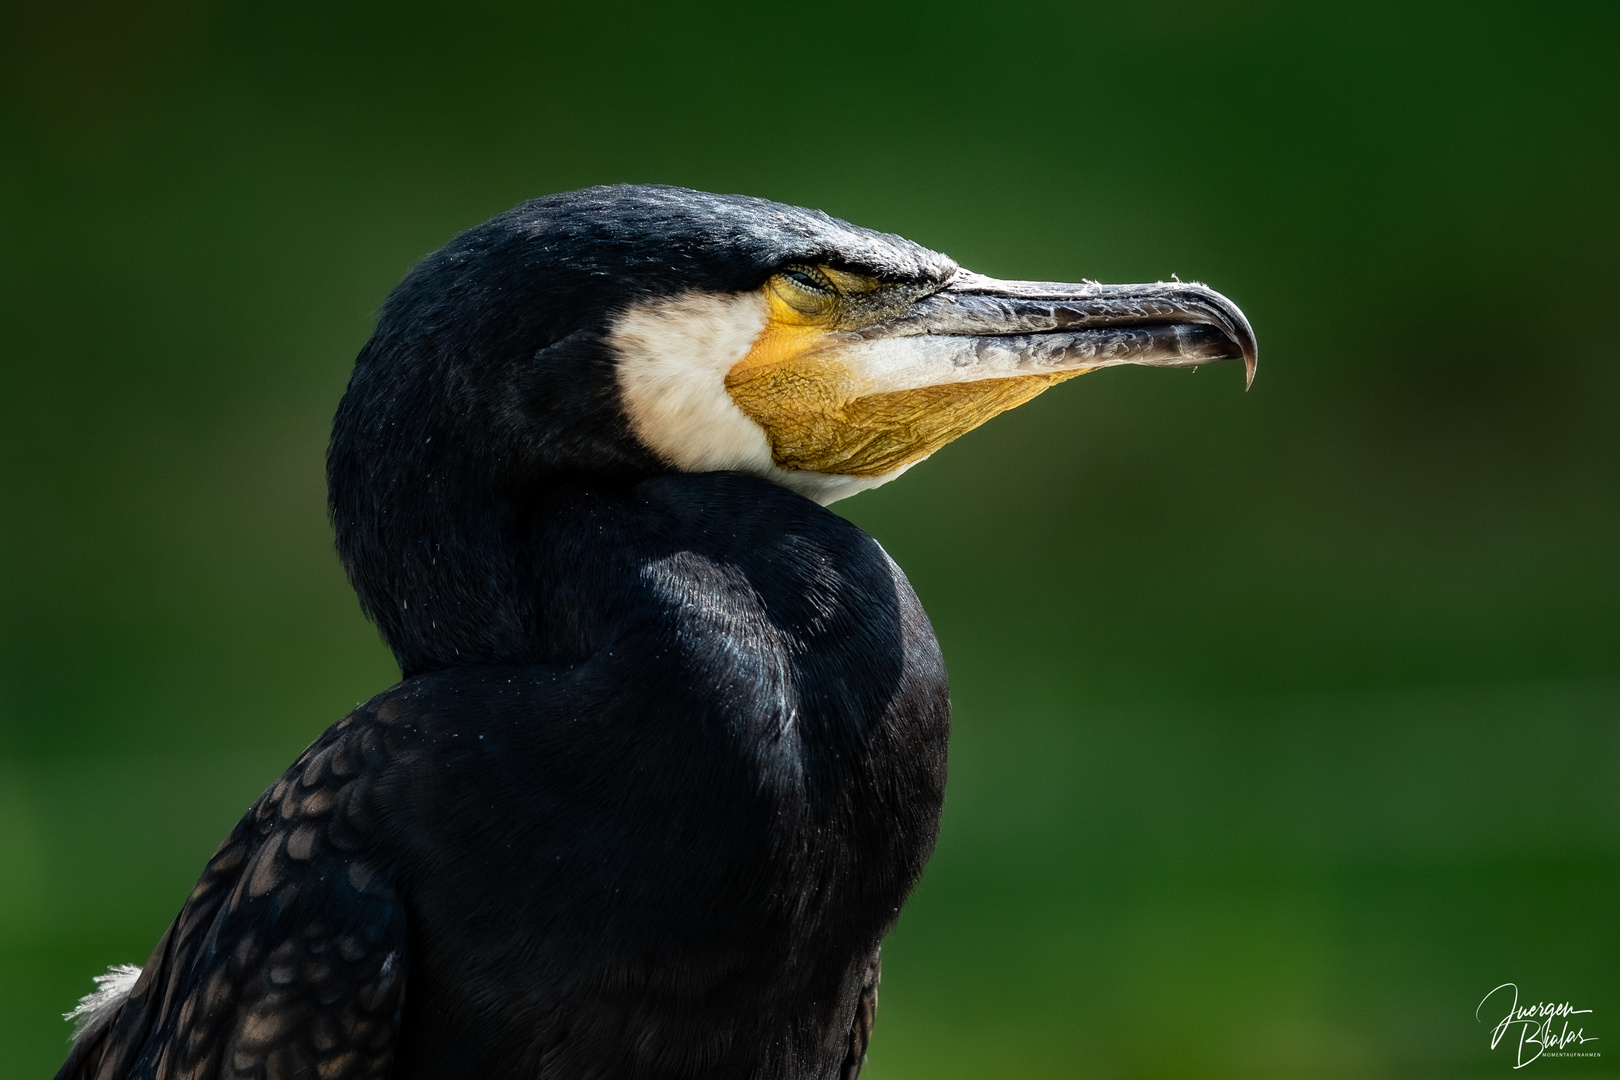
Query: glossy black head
{"type": "Point", "coordinates": [607, 335]}
{"type": "Point", "coordinates": [488, 378]}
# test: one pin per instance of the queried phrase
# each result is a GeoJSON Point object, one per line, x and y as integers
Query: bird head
{"type": "Point", "coordinates": [620, 332]}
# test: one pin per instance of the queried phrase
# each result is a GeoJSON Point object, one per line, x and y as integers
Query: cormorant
{"type": "Point", "coordinates": [669, 750]}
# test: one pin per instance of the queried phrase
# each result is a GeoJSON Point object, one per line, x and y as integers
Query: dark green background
{"type": "Point", "coordinates": [1288, 723]}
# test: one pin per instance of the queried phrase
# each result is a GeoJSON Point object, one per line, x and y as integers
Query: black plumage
{"type": "Point", "coordinates": [488, 382]}
{"type": "Point", "coordinates": [673, 858]}
{"type": "Point", "coordinates": [670, 749]}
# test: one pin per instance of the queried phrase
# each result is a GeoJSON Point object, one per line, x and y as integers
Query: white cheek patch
{"type": "Point", "coordinates": [673, 358]}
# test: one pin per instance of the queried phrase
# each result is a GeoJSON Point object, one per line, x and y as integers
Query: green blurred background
{"type": "Point", "coordinates": [1288, 723]}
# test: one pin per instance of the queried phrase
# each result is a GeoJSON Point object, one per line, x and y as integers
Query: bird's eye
{"type": "Point", "coordinates": [808, 290]}
{"type": "Point", "coordinates": [809, 279]}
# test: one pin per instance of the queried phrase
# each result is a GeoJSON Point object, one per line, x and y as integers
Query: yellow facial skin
{"type": "Point", "coordinates": [794, 385]}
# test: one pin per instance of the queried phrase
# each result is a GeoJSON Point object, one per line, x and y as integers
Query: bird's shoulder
{"type": "Point", "coordinates": [289, 952]}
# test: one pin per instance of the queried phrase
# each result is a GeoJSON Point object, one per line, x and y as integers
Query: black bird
{"type": "Point", "coordinates": [669, 750]}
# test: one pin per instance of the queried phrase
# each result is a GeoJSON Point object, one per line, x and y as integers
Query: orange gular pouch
{"type": "Point", "coordinates": [817, 418]}
{"type": "Point", "coordinates": [821, 414]}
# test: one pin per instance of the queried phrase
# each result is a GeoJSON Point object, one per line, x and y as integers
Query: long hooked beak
{"type": "Point", "coordinates": [979, 327]}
